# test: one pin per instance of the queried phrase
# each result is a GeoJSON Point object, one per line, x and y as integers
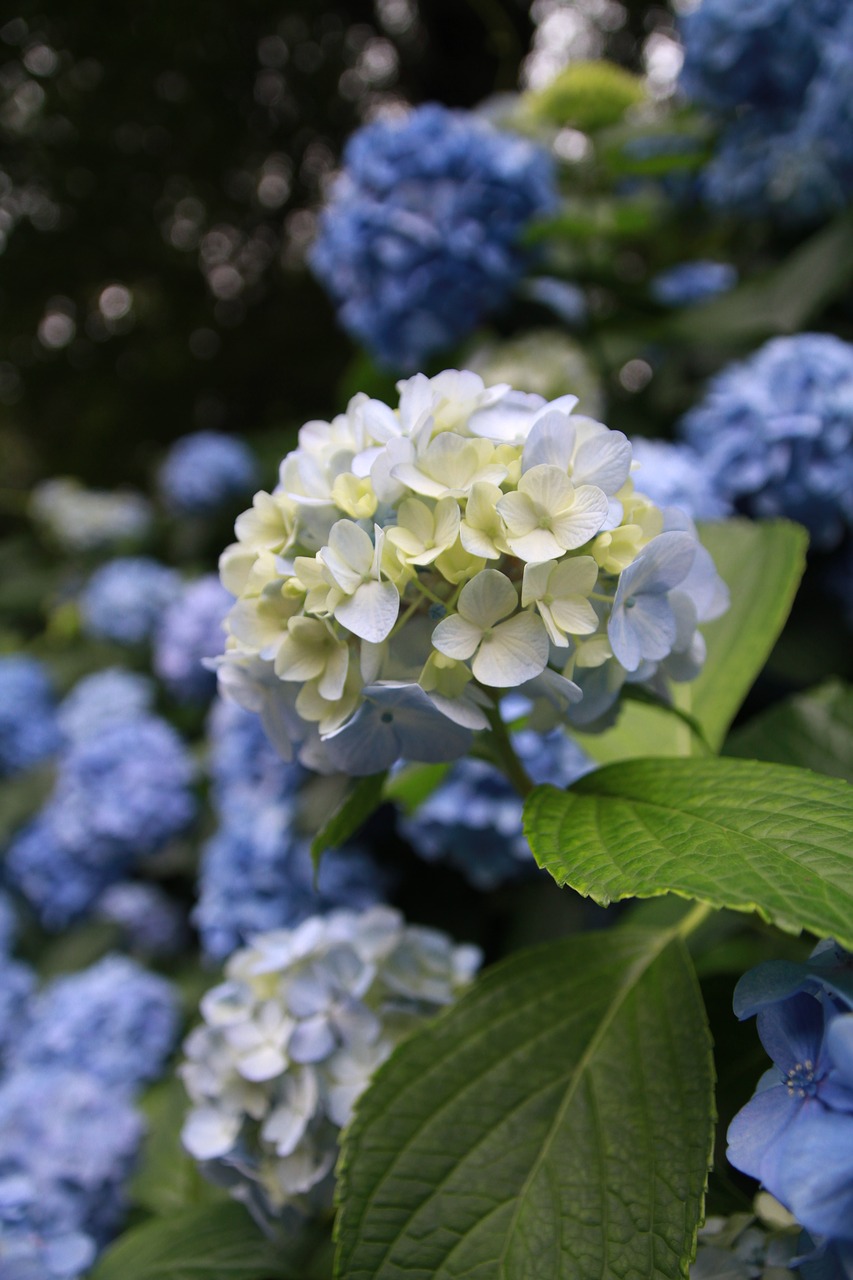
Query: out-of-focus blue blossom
{"type": "Point", "coordinates": [567, 301]}
{"type": "Point", "coordinates": [692, 282]}
{"type": "Point", "coordinates": [778, 76]}
{"type": "Point", "coordinates": [257, 874]}
{"type": "Point", "coordinates": [17, 984]}
{"type": "Point", "coordinates": [676, 475]}
{"type": "Point", "coordinates": [68, 1147]}
{"type": "Point", "coordinates": [764, 53]}
{"type": "Point", "coordinates": [28, 728]}
{"type": "Point", "coordinates": [472, 821]}
{"type": "Point", "coordinates": [151, 922]}
{"type": "Point", "coordinates": [205, 471]}
{"type": "Point", "coordinates": [104, 699]}
{"type": "Point", "coordinates": [776, 433]}
{"type": "Point", "coordinates": [89, 519]}
{"type": "Point", "coordinates": [241, 757]}
{"type": "Point", "coordinates": [796, 1134]}
{"type": "Point", "coordinates": [119, 797]}
{"type": "Point", "coordinates": [420, 239]}
{"type": "Point", "coordinates": [115, 1021]}
{"type": "Point", "coordinates": [125, 599]}
{"type": "Point", "coordinates": [189, 631]}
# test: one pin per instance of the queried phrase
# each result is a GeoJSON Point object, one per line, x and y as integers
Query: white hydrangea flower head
{"type": "Point", "coordinates": [415, 563]}
{"type": "Point", "coordinates": [291, 1039]}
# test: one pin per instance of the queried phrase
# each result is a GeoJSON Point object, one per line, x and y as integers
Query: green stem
{"type": "Point", "coordinates": [505, 755]}
{"type": "Point", "coordinates": [695, 917]}
{"type": "Point", "coordinates": [430, 595]}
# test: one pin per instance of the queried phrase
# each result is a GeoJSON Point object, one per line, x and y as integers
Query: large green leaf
{"type": "Point", "coordinates": [813, 730]}
{"type": "Point", "coordinates": [732, 833]}
{"type": "Point", "coordinates": [355, 808]}
{"type": "Point", "coordinates": [761, 563]}
{"type": "Point", "coordinates": [555, 1124]}
{"type": "Point", "coordinates": [217, 1242]}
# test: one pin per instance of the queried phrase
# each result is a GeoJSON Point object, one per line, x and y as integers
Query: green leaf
{"type": "Point", "coordinates": [354, 810]}
{"type": "Point", "coordinates": [555, 1124]}
{"type": "Point", "coordinates": [761, 563]}
{"type": "Point", "coordinates": [217, 1242]}
{"type": "Point", "coordinates": [784, 301]}
{"type": "Point", "coordinates": [414, 784]}
{"type": "Point", "coordinates": [732, 833]}
{"type": "Point", "coordinates": [813, 730]}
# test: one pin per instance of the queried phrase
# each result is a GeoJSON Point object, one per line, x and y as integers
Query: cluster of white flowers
{"type": "Point", "coordinates": [412, 564]}
{"type": "Point", "coordinates": [292, 1038]}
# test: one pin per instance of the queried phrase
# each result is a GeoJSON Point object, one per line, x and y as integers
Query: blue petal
{"type": "Point", "coordinates": [792, 1030]}
{"type": "Point", "coordinates": [758, 1126]}
{"type": "Point", "coordinates": [814, 1175]}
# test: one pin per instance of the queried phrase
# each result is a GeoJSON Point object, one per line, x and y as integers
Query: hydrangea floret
{"type": "Point", "coordinates": [501, 546]}
{"type": "Point", "coordinates": [291, 1039]}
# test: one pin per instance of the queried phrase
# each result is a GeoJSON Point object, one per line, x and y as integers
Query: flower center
{"type": "Point", "coordinates": [800, 1079]}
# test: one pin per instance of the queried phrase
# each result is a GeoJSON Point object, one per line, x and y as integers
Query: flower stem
{"type": "Point", "coordinates": [505, 755]}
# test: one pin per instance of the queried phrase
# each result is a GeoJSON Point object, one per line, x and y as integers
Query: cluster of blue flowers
{"type": "Point", "coordinates": [775, 433]}
{"type": "Point", "coordinates": [256, 872]}
{"type": "Point", "coordinates": [420, 239]}
{"type": "Point", "coordinates": [69, 1129]}
{"type": "Point", "coordinates": [677, 475]}
{"type": "Point", "coordinates": [472, 821]}
{"type": "Point", "coordinates": [189, 632]}
{"type": "Point", "coordinates": [779, 76]}
{"type": "Point", "coordinates": [205, 471]}
{"type": "Point", "coordinates": [122, 790]}
{"type": "Point", "coordinates": [125, 598]}
{"type": "Point", "coordinates": [692, 282]}
{"type": "Point", "coordinates": [796, 1134]}
{"type": "Point", "coordinates": [28, 727]}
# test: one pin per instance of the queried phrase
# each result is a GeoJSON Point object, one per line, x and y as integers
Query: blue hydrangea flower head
{"type": "Point", "coordinates": [28, 728]}
{"type": "Point", "coordinates": [676, 475]}
{"type": "Point", "coordinates": [777, 74]}
{"type": "Point", "coordinates": [119, 797]}
{"type": "Point", "coordinates": [692, 282]}
{"type": "Point", "coordinates": [190, 631]}
{"type": "Point", "coordinates": [17, 985]}
{"type": "Point", "coordinates": [205, 471]}
{"type": "Point", "coordinates": [125, 599]}
{"type": "Point", "coordinates": [420, 239]}
{"type": "Point", "coordinates": [776, 433]}
{"type": "Point", "coordinates": [241, 757]}
{"type": "Point", "coordinates": [763, 53]}
{"type": "Point", "coordinates": [102, 699]}
{"type": "Point", "coordinates": [257, 874]}
{"type": "Point", "coordinates": [68, 1149]}
{"type": "Point", "coordinates": [796, 1134]}
{"type": "Point", "coordinates": [115, 1021]}
{"type": "Point", "coordinates": [472, 821]}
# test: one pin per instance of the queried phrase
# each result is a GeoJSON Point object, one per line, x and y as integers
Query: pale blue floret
{"type": "Point", "coordinates": [68, 1148]}
{"type": "Point", "coordinates": [125, 599]}
{"type": "Point", "coordinates": [395, 721]}
{"type": "Point", "coordinates": [103, 699]}
{"type": "Point", "coordinates": [115, 1021]}
{"type": "Point", "coordinates": [776, 433]}
{"type": "Point", "coordinates": [205, 471]}
{"type": "Point", "coordinates": [676, 475]}
{"type": "Point", "coordinates": [17, 984]}
{"type": "Point", "coordinates": [28, 728]}
{"type": "Point", "coordinates": [119, 797]}
{"type": "Point", "coordinates": [642, 623]}
{"type": "Point", "coordinates": [692, 282]}
{"type": "Point", "coordinates": [421, 237]}
{"type": "Point", "coordinates": [190, 631]}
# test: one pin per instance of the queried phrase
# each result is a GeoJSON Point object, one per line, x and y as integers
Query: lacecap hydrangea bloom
{"type": "Point", "coordinates": [292, 1037]}
{"type": "Point", "coordinates": [775, 431]}
{"type": "Point", "coordinates": [205, 471]}
{"type": "Point", "coordinates": [413, 564]}
{"type": "Point", "coordinates": [125, 599]}
{"type": "Point", "coordinates": [189, 632]}
{"type": "Point", "coordinates": [28, 728]}
{"type": "Point", "coordinates": [777, 74]}
{"type": "Point", "coordinates": [421, 236]}
{"type": "Point", "coordinates": [796, 1134]}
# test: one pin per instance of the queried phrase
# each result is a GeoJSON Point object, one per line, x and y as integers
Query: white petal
{"type": "Point", "coordinates": [456, 637]}
{"type": "Point", "coordinates": [551, 441]}
{"type": "Point", "coordinates": [583, 519]}
{"type": "Point", "coordinates": [370, 613]}
{"type": "Point", "coordinates": [209, 1133]}
{"type": "Point", "coordinates": [516, 651]}
{"type": "Point", "coordinates": [487, 598]}
{"type": "Point", "coordinates": [537, 545]}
